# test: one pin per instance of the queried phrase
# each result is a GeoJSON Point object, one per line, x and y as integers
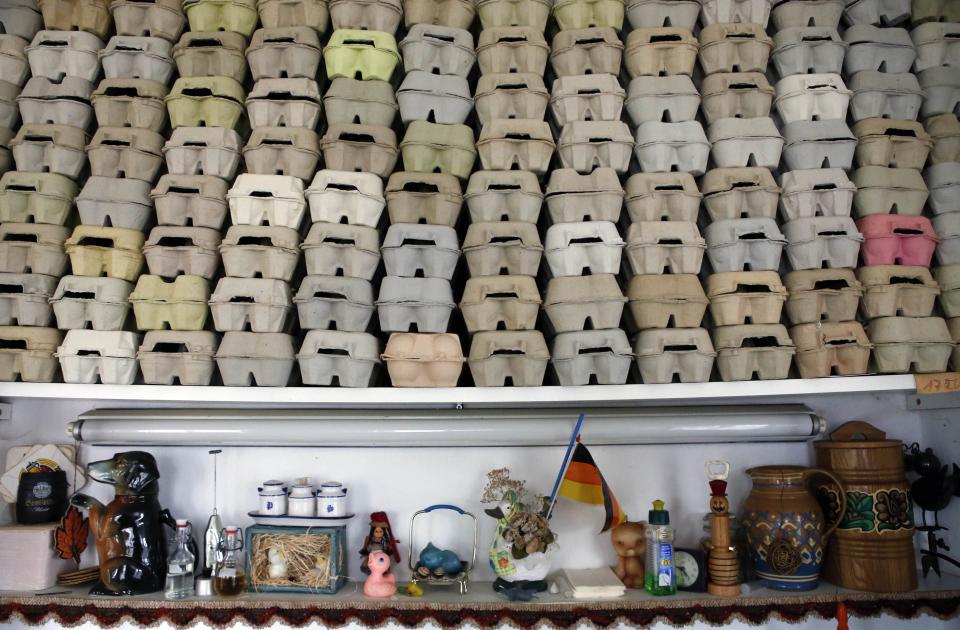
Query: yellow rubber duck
{"type": "Point", "coordinates": [414, 590]}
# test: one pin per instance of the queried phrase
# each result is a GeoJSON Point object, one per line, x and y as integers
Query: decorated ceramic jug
{"type": "Point", "coordinates": [786, 530]}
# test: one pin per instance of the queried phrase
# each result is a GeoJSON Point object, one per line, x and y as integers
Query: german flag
{"type": "Point", "coordinates": [583, 482]}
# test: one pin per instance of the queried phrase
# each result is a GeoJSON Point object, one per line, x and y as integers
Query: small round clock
{"type": "Point", "coordinates": [691, 568]}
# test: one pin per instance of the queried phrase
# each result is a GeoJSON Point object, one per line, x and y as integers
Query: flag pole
{"type": "Point", "coordinates": [563, 466]}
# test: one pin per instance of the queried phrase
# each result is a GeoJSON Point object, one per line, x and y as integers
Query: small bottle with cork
{"type": "Point", "coordinates": [229, 579]}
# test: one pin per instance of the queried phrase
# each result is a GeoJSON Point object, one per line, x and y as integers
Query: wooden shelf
{"type": "Point", "coordinates": [447, 608]}
{"type": "Point", "coordinates": [748, 392]}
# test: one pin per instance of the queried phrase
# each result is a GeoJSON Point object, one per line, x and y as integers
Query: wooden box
{"type": "Point", "coordinates": [327, 553]}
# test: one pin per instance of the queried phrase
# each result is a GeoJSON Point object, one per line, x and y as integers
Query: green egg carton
{"type": "Point", "coordinates": [36, 197]}
{"type": "Point", "coordinates": [372, 55]}
{"type": "Point", "coordinates": [431, 147]}
{"type": "Point", "coordinates": [205, 102]}
{"type": "Point", "coordinates": [239, 16]}
{"type": "Point", "coordinates": [160, 304]}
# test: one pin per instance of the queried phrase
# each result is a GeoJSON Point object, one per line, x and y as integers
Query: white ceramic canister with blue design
{"type": "Point", "coordinates": [273, 498]}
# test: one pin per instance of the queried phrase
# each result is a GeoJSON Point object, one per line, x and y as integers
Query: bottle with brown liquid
{"type": "Point", "coordinates": [229, 579]}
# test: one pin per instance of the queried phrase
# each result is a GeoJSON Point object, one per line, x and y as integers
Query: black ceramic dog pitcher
{"type": "Point", "coordinates": [41, 497]}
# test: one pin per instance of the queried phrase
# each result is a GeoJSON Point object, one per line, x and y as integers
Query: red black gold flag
{"type": "Point", "coordinates": [583, 482]}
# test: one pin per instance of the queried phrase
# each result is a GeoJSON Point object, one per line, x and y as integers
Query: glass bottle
{"type": "Point", "coordinates": [229, 579]}
{"type": "Point", "coordinates": [180, 566]}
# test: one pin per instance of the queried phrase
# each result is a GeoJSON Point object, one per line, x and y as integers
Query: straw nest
{"type": "Point", "coordinates": [307, 556]}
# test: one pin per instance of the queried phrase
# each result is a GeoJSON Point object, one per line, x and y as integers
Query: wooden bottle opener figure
{"type": "Point", "coordinates": [723, 570]}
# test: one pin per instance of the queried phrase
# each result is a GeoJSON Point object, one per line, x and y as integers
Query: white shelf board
{"type": "Point", "coordinates": [468, 397]}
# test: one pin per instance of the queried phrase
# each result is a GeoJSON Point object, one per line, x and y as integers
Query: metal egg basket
{"type": "Point", "coordinates": [460, 578]}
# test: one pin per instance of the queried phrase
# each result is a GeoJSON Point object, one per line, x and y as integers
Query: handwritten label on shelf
{"type": "Point", "coordinates": [944, 383]}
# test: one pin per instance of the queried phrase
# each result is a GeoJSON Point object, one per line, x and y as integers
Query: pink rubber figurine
{"type": "Point", "coordinates": [379, 583]}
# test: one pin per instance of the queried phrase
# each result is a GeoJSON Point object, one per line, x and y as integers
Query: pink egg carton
{"type": "Point", "coordinates": [897, 239]}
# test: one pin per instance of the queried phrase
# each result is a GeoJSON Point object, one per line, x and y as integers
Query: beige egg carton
{"type": "Point", "coordinates": [284, 52]}
{"type": "Point", "coordinates": [753, 351]}
{"type": "Point", "coordinates": [252, 358]}
{"type": "Point", "coordinates": [500, 303]}
{"type": "Point", "coordinates": [503, 49]}
{"type": "Point", "coordinates": [511, 95]}
{"type": "Point", "coordinates": [174, 250]}
{"type": "Point", "coordinates": [27, 354]}
{"type": "Point", "coordinates": [49, 102]}
{"type": "Point", "coordinates": [591, 356]}
{"type": "Point", "coordinates": [6, 156]}
{"type": "Point", "coordinates": [104, 356]}
{"type": "Point", "coordinates": [49, 149]}
{"type": "Point", "coordinates": [348, 100]}
{"type": "Point", "coordinates": [941, 91]}
{"type": "Point", "coordinates": [290, 102]}
{"type": "Point", "coordinates": [190, 200]}
{"type": "Point", "coordinates": [659, 51]}
{"type": "Point", "coordinates": [663, 147]}
{"type": "Point", "coordinates": [831, 349]}
{"type": "Point", "coordinates": [9, 112]}
{"type": "Point", "coordinates": [734, 47]}
{"type": "Point", "coordinates": [882, 190]}
{"type": "Point", "coordinates": [169, 357]}
{"type": "Point", "coordinates": [736, 95]}
{"type": "Point", "coordinates": [491, 248]}
{"type": "Point", "coordinates": [655, 247]}
{"type": "Point", "coordinates": [494, 13]}
{"type": "Point", "coordinates": [504, 196]}
{"type": "Point", "coordinates": [130, 103]}
{"type": "Point", "coordinates": [126, 152]}
{"type": "Point", "coordinates": [584, 145]}
{"type": "Point", "coordinates": [808, 50]}
{"type": "Point", "coordinates": [666, 301]}
{"type": "Point", "coordinates": [872, 47]}
{"type": "Point", "coordinates": [571, 197]}
{"type": "Point", "coordinates": [575, 303]}
{"type": "Point", "coordinates": [713, 11]}
{"type": "Point", "coordinates": [884, 95]}
{"type": "Point", "coordinates": [282, 151]}
{"type": "Point", "coordinates": [653, 13]}
{"type": "Point", "coordinates": [525, 145]}
{"type": "Point", "coordinates": [338, 357]}
{"type": "Point", "coordinates": [138, 57]}
{"type": "Point", "coordinates": [904, 345]}
{"type": "Point", "coordinates": [897, 291]}
{"type": "Point", "coordinates": [433, 198]}
{"type": "Point", "coordinates": [948, 277]}
{"type": "Point", "coordinates": [14, 66]}
{"type": "Point", "coordinates": [662, 197]}
{"type": "Point", "coordinates": [358, 147]}
{"type": "Point", "coordinates": [823, 295]}
{"type": "Point", "coordinates": [457, 14]}
{"type": "Point", "coordinates": [178, 304]}
{"type": "Point", "coordinates": [264, 251]}
{"type": "Point", "coordinates": [277, 13]}
{"type": "Point", "coordinates": [24, 299]}
{"type": "Point", "coordinates": [669, 97]}
{"type": "Point", "coordinates": [331, 249]}
{"type": "Point", "coordinates": [947, 227]}
{"type": "Point", "coordinates": [954, 326]}
{"type": "Point", "coordinates": [502, 357]}
{"type": "Point", "coordinates": [592, 50]}
{"type": "Point", "coordinates": [36, 197]}
{"type": "Point", "coordinates": [589, 97]}
{"type": "Point", "coordinates": [372, 15]}
{"type": "Point", "coordinates": [346, 197]}
{"type": "Point", "coordinates": [943, 182]}
{"type": "Point", "coordinates": [87, 15]}
{"type": "Point", "coordinates": [203, 151]}
{"type": "Point", "coordinates": [81, 302]}
{"type": "Point", "coordinates": [211, 54]}
{"type": "Point", "coordinates": [97, 250]}
{"type": "Point", "coordinates": [33, 248]}
{"type": "Point", "coordinates": [438, 49]}
{"type": "Point", "coordinates": [118, 202]}
{"type": "Point", "coordinates": [667, 355]}
{"type": "Point", "coordinates": [745, 297]}
{"type": "Point", "coordinates": [334, 303]}
{"type": "Point", "coordinates": [736, 193]}
{"type": "Point", "coordinates": [21, 18]}
{"type": "Point", "coordinates": [261, 305]}
{"type": "Point", "coordinates": [423, 360]}
{"type": "Point", "coordinates": [154, 18]}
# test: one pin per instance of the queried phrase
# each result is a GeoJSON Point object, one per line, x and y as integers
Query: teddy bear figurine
{"type": "Point", "coordinates": [629, 543]}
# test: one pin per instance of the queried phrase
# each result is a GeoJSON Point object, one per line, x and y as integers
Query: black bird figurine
{"type": "Point", "coordinates": [932, 491]}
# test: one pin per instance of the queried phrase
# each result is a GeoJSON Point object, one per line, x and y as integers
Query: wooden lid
{"type": "Point", "coordinates": [857, 434]}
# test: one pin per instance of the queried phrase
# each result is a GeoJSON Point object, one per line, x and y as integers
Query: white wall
{"type": "Point", "coordinates": [401, 481]}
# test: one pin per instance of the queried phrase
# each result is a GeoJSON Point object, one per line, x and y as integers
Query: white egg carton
{"type": "Point", "coordinates": [87, 302]}
{"type": "Point", "coordinates": [713, 11]}
{"type": "Point", "coordinates": [334, 303]}
{"type": "Point", "coordinates": [135, 57]}
{"type": "Point", "coordinates": [424, 303]}
{"type": "Point", "coordinates": [807, 13]}
{"type": "Point", "coordinates": [50, 102]}
{"type": "Point", "coordinates": [59, 54]}
{"type": "Point", "coordinates": [349, 357]}
{"type": "Point", "coordinates": [744, 244]}
{"type": "Point", "coordinates": [666, 355]}
{"type": "Point", "coordinates": [262, 304]}
{"type": "Point", "coordinates": [511, 95]}
{"type": "Point", "coordinates": [654, 13]}
{"type": "Point", "coordinates": [120, 202]}
{"type": "Point", "coordinates": [735, 95]}
{"type": "Point", "coordinates": [443, 99]}
{"type": "Point", "coordinates": [286, 51]}
{"type": "Point", "coordinates": [417, 250]}
{"type": "Point", "coordinates": [664, 147]}
{"type": "Point", "coordinates": [437, 49]}
{"type": "Point", "coordinates": [105, 356]}
{"type": "Point", "coordinates": [656, 247]}
{"type": "Point", "coordinates": [657, 98]}
{"type": "Point", "coordinates": [812, 97]}
{"type": "Point", "coordinates": [941, 90]}
{"type": "Point", "coordinates": [267, 199]}
{"type": "Point", "coordinates": [503, 196]}
{"type": "Point", "coordinates": [808, 49]}
{"type": "Point", "coordinates": [251, 358]}
{"type": "Point", "coordinates": [822, 242]}
{"type": "Point", "coordinates": [203, 151]}
{"type": "Point", "coordinates": [874, 48]}
{"type": "Point", "coordinates": [592, 50]}
{"type": "Point", "coordinates": [288, 102]}
{"type": "Point", "coordinates": [884, 95]}
{"type": "Point", "coordinates": [816, 144]}
{"type": "Point", "coordinates": [197, 200]}
{"type": "Point", "coordinates": [346, 196]}
{"type": "Point", "coordinates": [662, 197]}
{"type": "Point", "coordinates": [502, 356]}
{"type": "Point", "coordinates": [876, 12]}
{"type": "Point", "coordinates": [49, 149]}
{"type": "Point", "coordinates": [937, 44]}
{"type": "Point", "coordinates": [573, 248]}
{"type": "Point", "coordinates": [943, 181]}
{"type": "Point", "coordinates": [591, 356]}
{"type": "Point", "coordinates": [264, 251]}
{"type": "Point", "coordinates": [826, 192]}
{"type": "Point", "coordinates": [24, 299]}
{"type": "Point", "coordinates": [740, 142]}
{"type": "Point", "coordinates": [331, 249]}
{"type": "Point", "coordinates": [947, 227]}
{"type": "Point", "coordinates": [174, 250]}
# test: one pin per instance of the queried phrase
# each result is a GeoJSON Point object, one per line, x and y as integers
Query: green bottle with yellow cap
{"type": "Point", "coordinates": [659, 576]}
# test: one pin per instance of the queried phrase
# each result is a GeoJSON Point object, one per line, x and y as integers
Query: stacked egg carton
{"type": "Point", "coordinates": [938, 66]}
{"type": "Point", "coordinates": [891, 150]}
{"type": "Point", "coordinates": [812, 102]}
{"type": "Point", "coordinates": [113, 205]}
{"type": "Point", "coordinates": [34, 206]}
{"type": "Point", "coordinates": [421, 248]}
{"type": "Point", "coordinates": [664, 246]}
{"type": "Point", "coordinates": [585, 197]}
{"type": "Point", "coordinates": [502, 246]}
